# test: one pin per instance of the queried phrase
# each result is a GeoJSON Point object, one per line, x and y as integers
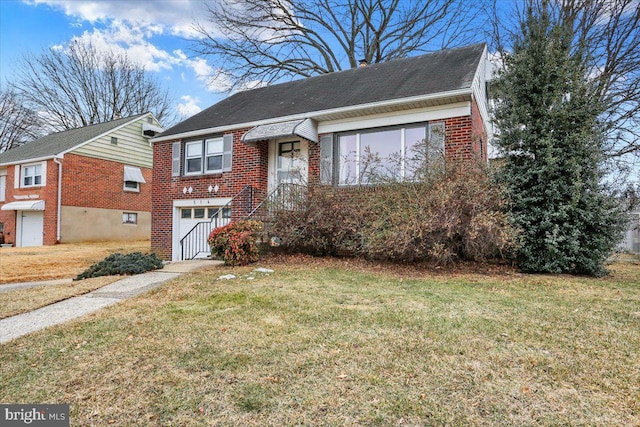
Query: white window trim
{"type": "Point", "coordinates": [206, 155]}
{"type": "Point", "coordinates": [131, 189]}
{"type": "Point", "coordinates": [43, 174]}
{"type": "Point", "coordinates": [3, 187]}
{"type": "Point", "coordinates": [187, 158]}
{"type": "Point", "coordinates": [226, 154]}
{"type": "Point", "coordinates": [132, 174]}
{"type": "Point", "coordinates": [125, 216]}
{"type": "Point", "coordinates": [428, 133]}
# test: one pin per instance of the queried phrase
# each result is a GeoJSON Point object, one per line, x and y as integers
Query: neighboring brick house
{"type": "Point", "coordinates": [86, 184]}
{"type": "Point", "coordinates": [319, 128]}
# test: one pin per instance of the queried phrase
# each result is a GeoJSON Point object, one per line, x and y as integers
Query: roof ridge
{"type": "Point", "coordinates": [100, 123]}
{"type": "Point", "coordinates": [375, 65]}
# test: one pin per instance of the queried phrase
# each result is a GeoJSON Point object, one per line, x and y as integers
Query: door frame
{"type": "Point", "coordinates": [272, 165]}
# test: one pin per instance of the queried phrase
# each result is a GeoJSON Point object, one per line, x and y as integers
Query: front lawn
{"type": "Point", "coordinates": [345, 343]}
{"type": "Point", "coordinates": [65, 260]}
{"type": "Point", "coordinates": [23, 300]}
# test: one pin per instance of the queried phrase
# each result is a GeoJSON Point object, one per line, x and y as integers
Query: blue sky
{"type": "Point", "coordinates": [154, 32]}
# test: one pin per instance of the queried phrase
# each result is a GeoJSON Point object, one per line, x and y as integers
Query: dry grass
{"type": "Point", "coordinates": [59, 261]}
{"type": "Point", "coordinates": [24, 300]}
{"type": "Point", "coordinates": [346, 343]}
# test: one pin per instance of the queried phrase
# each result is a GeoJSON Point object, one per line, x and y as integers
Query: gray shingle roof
{"type": "Point", "coordinates": [437, 72]}
{"type": "Point", "coordinates": [59, 142]}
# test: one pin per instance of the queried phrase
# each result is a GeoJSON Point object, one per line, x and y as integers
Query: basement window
{"type": "Point", "coordinates": [129, 218]}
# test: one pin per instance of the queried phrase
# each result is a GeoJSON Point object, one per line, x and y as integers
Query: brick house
{"type": "Point", "coordinates": [313, 130]}
{"type": "Point", "coordinates": [86, 184]}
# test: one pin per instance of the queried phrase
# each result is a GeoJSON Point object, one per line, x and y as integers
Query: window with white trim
{"type": "Point", "coordinates": [132, 179]}
{"type": "Point", "coordinates": [132, 186]}
{"type": "Point", "coordinates": [193, 158]}
{"type": "Point", "coordinates": [3, 184]}
{"type": "Point", "coordinates": [396, 154]}
{"type": "Point", "coordinates": [31, 175]}
{"type": "Point", "coordinates": [208, 156]}
{"type": "Point", "coordinates": [129, 218]}
{"type": "Point", "coordinates": [215, 151]}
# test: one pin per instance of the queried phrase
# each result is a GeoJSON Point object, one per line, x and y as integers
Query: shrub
{"type": "Point", "coordinates": [122, 264]}
{"type": "Point", "coordinates": [457, 217]}
{"type": "Point", "coordinates": [236, 243]}
{"type": "Point", "coordinates": [454, 214]}
{"type": "Point", "coordinates": [326, 225]}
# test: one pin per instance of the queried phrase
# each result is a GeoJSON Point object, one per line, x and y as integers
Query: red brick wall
{"type": "Point", "coordinates": [96, 183]}
{"type": "Point", "coordinates": [314, 161]}
{"type": "Point", "coordinates": [459, 144]}
{"type": "Point", "coordinates": [86, 182]}
{"type": "Point", "coordinates": [478, 132]}
{"type": "Point", "coordinates": [48, 193]}
{"type": "Point", "coordinates": [249, 167]}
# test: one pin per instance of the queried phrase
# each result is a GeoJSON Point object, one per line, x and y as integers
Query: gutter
{"type": "Point", "coordinates": [59, 207]}
{"type": "Point", "coordinates": [23, 161]}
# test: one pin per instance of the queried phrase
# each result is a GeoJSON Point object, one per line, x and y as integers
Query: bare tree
{"type": "Point", "coordinates": [263, 41]}
{"type": "Point", "coordinates": [18, 124]}
{"type": "Point", "coordinates": [80, 86]}
{"type": "Point", "coordinates": [608, 32]}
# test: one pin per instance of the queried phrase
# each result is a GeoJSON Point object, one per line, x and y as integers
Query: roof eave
{"type": "Point", "coordinates": [35, 159]}
{"type": "Point", "coordinates": [316, 114]}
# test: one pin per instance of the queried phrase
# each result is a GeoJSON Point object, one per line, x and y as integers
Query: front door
{"type": "Point", "coordinates": [291, 164]}
{"type": "Point", "coordinates": [291, 172]}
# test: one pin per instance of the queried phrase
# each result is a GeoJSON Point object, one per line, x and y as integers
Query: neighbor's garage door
{"type": "Point", "coordinates": [31, 227]}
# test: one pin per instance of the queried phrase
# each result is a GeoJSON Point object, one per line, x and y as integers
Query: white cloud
{"type": "Point", "coordinates": [120, 39]}
{"type": "Point", "coordinates": [138, 28]}
{"type": "Point", "coordinates": [213, 79]}
{"type": "Point", "coordinates": [176, 17]}
{"type": "Point", "coordinates": [189, 107]}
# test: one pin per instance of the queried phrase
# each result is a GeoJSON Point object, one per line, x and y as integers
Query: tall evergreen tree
{"type": "Point", "coordinates": [552, 142]}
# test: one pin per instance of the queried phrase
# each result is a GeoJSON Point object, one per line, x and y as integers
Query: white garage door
{"type": "Point", "coordinates": [31, 227]}
{"type": "Point", "coordinates": [190, 217]}
{"type": "Point", "coordinates": [195, 245]}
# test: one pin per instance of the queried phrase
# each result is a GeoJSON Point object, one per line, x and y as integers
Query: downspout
{"type": "Point", "coordinates": [55, 159]}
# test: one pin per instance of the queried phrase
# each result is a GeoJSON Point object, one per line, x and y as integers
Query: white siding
{"type": "Point", "coordinates": [479, 88]}
{"type": "Point", "coordinates": [396, 118]}
{"type": "Point", "coordinates": [132, 147]}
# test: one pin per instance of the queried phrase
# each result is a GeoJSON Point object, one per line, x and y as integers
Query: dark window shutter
{"type": "Point", "coordinates": [175, 159]}
{"type": "Point", "coordinates": [227, 155]}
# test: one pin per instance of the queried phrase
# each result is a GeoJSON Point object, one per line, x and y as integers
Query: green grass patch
{"type": "Point", "coordinates": [334, 345]}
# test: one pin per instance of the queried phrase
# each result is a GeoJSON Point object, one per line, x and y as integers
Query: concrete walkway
{"type": "Point", "coordinates": [72, 308]}
{"type": "Point", "coordinates": [24, 285]}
